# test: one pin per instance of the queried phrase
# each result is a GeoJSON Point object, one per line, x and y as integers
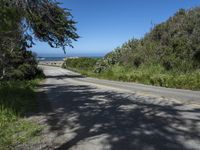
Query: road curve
{"type": "Point", "coordinates": [186, 96]}
{"type": "Point", "coordinates": [92, 114]}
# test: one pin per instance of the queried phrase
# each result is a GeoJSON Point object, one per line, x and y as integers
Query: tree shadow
{"type": "Point", "coordinates": [65, 76]}
{"type": "Point", "coordinates": [121, 121]}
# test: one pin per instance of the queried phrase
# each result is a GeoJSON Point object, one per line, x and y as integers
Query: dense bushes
{"type": "Point", "coordinates": [82, 63]}
{"type": "Point", "coordinates": [173, 44]}
{"type": "Point", "coordinates": [169, 55]}
{"type": "Point", "coordinates": [154, 75]}
{"type": "Point", "coordinates": [21, 65]}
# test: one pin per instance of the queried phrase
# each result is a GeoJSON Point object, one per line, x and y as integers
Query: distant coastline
{"type": "Point", "coordinates": [50, 58]}
{"type": "Point", "coordinates": [60, 57]}
{"type": "Point", "coordinates": [70, 54]}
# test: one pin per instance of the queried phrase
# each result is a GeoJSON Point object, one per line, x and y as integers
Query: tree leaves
{"type": "Point", "coordinates": [23, 20]}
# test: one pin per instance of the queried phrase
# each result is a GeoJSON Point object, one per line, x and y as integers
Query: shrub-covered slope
{"type": "Point", "coordinates": [82, 63]}
{"type": "Point", "coordinates": [174, 44]}
{"type": "Point", "coordinates": [169, 55]}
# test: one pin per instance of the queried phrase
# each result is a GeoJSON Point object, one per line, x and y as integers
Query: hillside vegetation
{"type": "Point", "coordinates": [83, 64]}
{"type": "Point", "coordinates": [17, 98]}
{"type": "Point", "coordinates": [173, 44]}
{"type": "Point", "coordinates": [169, 55]}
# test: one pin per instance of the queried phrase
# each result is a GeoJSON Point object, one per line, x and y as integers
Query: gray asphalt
{"type": "Point", "coordinates": [92, 114]}
{"type": "Point", "coordinates": [187, 96]}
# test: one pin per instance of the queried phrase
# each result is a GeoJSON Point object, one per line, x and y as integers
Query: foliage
{"type": "Point", "coordinates": [173, 44]}
{"type": "Point", "coordinates": [23, 20]}
{"type": "Point", "coordinates": [154, 75]}
{"type": "Point", "coordinates": [82, 63]}
{"type": "Point", "coordinates": [147, 74]}
{"type": "Point", "coordinates": [16, 99]}
{"type": "Point", "coordinates": [21, 65]}
{"type": "Point", "coordinates": [15, 93]}
{"type": "Point", "coordinates": [43, 18]}
{"type": "Point", "coordinates": [167, 56]}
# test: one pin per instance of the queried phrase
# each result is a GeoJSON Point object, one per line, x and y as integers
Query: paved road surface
{"type": "Point", "coordinates": [90, 114]}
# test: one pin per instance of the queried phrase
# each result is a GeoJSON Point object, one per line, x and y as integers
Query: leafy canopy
{"type": "Point", "coordinates": [22, 21]}
{"type": "Point", "coordinates": [44, 20]}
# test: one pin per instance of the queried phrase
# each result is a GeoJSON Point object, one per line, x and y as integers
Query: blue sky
{"type": "Point", "coordinates": [105, 24]}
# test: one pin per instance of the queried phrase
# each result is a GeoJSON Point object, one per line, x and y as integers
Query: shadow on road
{"type": "Point", "coordinates": [126, 123]}
{"type": "Point", "coordinates": [65, 76]}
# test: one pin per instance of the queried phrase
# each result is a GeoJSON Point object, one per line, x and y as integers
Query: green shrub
{"type": "Point", "coordinates": [175, 49]}
{"type": "Point", "coordinates": [149, 74]}
{"type": "Point", "coordinates": [82, 63]}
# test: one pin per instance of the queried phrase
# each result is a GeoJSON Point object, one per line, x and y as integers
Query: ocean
{"type": "Point", "coordinates": [60, 57]}
{"type": "Point", "coordinates": [50, 58]}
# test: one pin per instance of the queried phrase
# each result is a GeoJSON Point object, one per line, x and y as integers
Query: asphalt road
{"type": "Point", "coordinates": [92, 114]}
{"type": "Point", "coordinates": [187, 96]}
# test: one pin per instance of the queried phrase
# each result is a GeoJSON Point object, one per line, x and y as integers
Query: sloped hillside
{"type": "Point", "coordinates": [174, 44]}
{"type": "Point", "coordinates": [169, 55]}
